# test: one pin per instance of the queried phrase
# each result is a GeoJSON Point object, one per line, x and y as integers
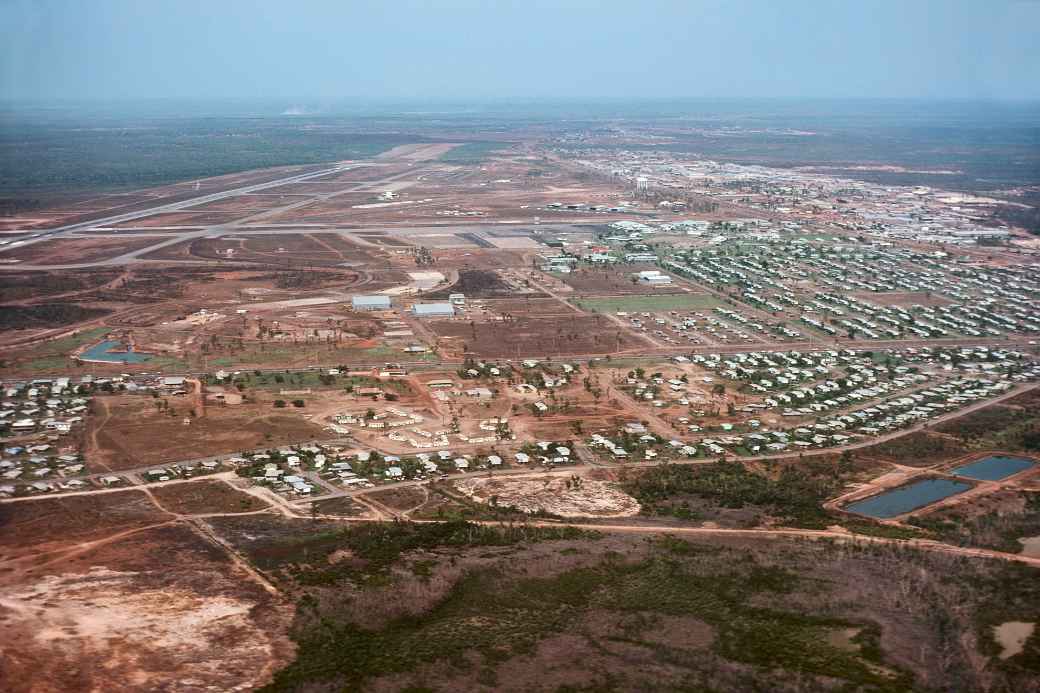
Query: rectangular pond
{"type": "Point", "coordinates": [103, 351]}
{"type": "Point", "coordinates": [907, 498]}
{"type": "Point", "coordinates": [993, 468]}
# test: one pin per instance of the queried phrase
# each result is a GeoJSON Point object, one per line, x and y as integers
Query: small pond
{"type": "Point", "coordinates": [993, 468]}
{"type": "Point", "coordinates": [112, 352]}
{"type": "Point", "coordinates": [907, 498]}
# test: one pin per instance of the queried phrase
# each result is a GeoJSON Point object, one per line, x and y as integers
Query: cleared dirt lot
{"type": "Point", "coordinates": [107, 597]}
{"type": "Point", "coordinates": [35, 529]}
{"type": "Point", "coordinates": [202, 497]}
{"type": "Point", "coordinates": [542, 336]}
{"type": "Point", "coordinates": [132, 431]}
{"type": "Point", "coordinates": [530, 306]}
{"type": "Point", "coordinates": [563, 496]}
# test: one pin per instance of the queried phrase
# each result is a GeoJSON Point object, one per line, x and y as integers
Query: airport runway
{"type": "Point", "coordinates": [187, 204]}
{"type": "Point", "coordinates": [239, 226]}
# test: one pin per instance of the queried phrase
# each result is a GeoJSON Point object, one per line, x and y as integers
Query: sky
{"type": "Point", "coordinates": [452, 49]}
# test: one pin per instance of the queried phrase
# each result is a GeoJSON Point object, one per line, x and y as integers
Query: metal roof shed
{"type": "Point", "coordinates": [370, 302]}
{"type": "Point", "coordinates": [433, 310]}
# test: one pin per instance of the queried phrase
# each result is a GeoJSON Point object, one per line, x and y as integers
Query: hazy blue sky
{"type": "Point", "coordinates": [341, 49]}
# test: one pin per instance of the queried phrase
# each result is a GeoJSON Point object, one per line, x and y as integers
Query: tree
{"type": "Point", "coordinates": [845, 461]}
{"type": "Point", "coordinates": [279, 403]}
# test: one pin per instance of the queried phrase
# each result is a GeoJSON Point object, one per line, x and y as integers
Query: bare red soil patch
{"type": "Point", "coordinates": [545, 336]}
{"type": "Point", "coordinates": [67, 251]}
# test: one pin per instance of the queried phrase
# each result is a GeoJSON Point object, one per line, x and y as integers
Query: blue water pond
{"type": "Point", "coordinates": [907, 498]}
{"type": "Point", "coordinates": [104, 352]}
{"type": "Point", "coordinates": [993, 468]}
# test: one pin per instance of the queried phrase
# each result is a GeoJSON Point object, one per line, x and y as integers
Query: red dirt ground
{"type": "Point", "coordinates": [60, 251]}
{"type": "Point", "coordinates": [543, 336]}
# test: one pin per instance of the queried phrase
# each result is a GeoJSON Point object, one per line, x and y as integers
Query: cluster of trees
{"type": "Point", "coordinates": [795, 494]}
{"type": "Point", "coordinates": [46, 315]}
{"type": "Point", "coordinates": [52, 156]}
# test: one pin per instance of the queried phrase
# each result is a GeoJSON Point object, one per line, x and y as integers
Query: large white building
{"type": "Point", "coordinates": [370, 303]}
{"type": "Point", "coordinates": [654, 278]}
{"type": "Point", "coordinates": [433, 310]}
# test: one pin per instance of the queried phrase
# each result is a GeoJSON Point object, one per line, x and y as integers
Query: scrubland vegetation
{"type": "Point", "coordinates": [457, 606]}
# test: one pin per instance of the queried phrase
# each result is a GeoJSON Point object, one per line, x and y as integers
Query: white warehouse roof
{"type": "Point", "coordinates": [371, 302]}
{"type": "Point", "coordinates": [433, 309]}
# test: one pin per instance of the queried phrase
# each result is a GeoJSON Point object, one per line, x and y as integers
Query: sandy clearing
{"type": "Point", "coordinates": [211, 641]}
{"type": "Point", "coordinates": [566, 497]}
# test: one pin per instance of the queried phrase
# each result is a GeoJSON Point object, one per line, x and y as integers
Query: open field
{"type": "Point", "coordinates": [76, 250]}
{"type": "Point", "coordinates": [544, 336]}
{"type": "Point", "coordinates": [205, 497]}
{"type": "Point", "coordinates": [134, 431]}
{"type": "Point", "coordinates": [530, 306]}
{"type": "Point", "coordinates": [108, 596]}
{"type": "Point", "coordinates": [31, 530]}
{"type": "Point", "coordinates": [563, 497]}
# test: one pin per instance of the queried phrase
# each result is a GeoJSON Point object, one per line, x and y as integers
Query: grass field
{"type": "Point", "coordinates": [54, 354]}
{"type": "Point", "coordinates": [648, 304]}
